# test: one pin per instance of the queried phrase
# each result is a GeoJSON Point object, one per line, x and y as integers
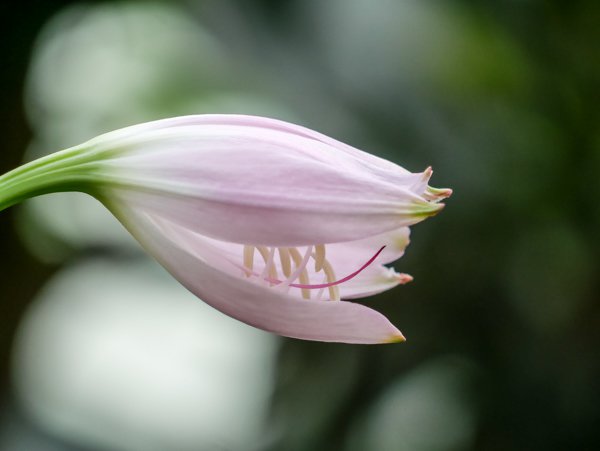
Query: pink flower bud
{"type": "Point", "coordinates": [268, 222]}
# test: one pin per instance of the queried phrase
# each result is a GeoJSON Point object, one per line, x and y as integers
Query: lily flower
{"type": "Point", "coordinates": [270, 223]}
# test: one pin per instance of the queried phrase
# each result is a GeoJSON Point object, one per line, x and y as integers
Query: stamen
{"type": "Point", "coordinates": [286, 263]}
{"type": "Point", "coordinates": [334, 290]}
{"type": "Point", "coordinates": [319, 257]}
{"type": "Point", "coordinates": [340, 281]}
{"type": "Point", "coordinates": [300, 271]}
{"type": "Point", "coordinates": [248, 260]}
{"type": "Point", "coordinates": [270, 271]}
{"type": "Point", "coordinates": [304, 276]}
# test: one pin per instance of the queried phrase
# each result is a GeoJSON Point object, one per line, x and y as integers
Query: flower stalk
{"type": "Point", "coordinates": [67, 170]}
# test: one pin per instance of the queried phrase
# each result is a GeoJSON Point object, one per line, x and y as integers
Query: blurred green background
{"type": "Point", "coordinates": [100, 350]}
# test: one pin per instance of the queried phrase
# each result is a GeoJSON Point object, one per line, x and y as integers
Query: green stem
{"type": "Point", "coordinates": [67, 170]}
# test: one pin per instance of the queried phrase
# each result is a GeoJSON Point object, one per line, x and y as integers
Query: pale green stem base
{"type": "Point", "coordinates": [68, 170]}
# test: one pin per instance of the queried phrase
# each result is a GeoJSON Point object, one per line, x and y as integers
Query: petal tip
{"type": "Point", "coordinates": [396, 337]}
{"type": "Point", "coordinates": [427, 173]}
{"type": "Point", "coordinates": [403, 278]}
{"type": "Point", "coordinates": [437, 194]}
{"type": "Point", "coordinates": [424, 209]}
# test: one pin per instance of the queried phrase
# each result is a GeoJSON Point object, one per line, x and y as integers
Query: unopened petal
{"type": "Point", "coordinates": [258, 181]}
{"type": "Point", "coordinates": [252, 122]}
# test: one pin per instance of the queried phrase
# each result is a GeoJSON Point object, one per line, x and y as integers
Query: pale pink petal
{"type": "Point", "coordinates": [260, 306]}
{"type": "Point", "coordinates": [267, 226]}
{"type": "Point", "coordinates": [258, 185]}
{"type": "Point", "coordinates": [251, 122]}
{"type": "Point", "coordinates": [378, 166]}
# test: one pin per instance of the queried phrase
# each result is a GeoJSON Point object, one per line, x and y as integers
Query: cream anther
{"type": "Point", "coordinates": [319, 257]}
{"type": "Point", "coordinates": [249, 259]}
{"type": "Point", "coordinates": [334, 290]}
{"type": "Point", "coordinates": [286, 263]}
{"type": "Point", "coordinates": [300, 264]}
